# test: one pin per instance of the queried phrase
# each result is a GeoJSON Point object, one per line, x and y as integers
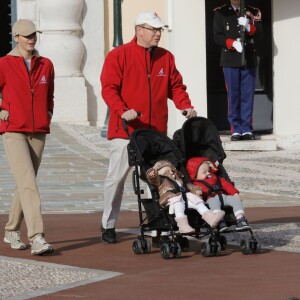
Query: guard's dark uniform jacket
{"type": "Point", "coordinates": [227, 30]}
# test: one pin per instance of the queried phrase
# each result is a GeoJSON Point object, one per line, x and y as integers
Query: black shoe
{"type": "Point", "coordinates": [109, 235]}
{"type": "Point", "coordinates": [248, 137]}
{"type": "Point", "coordinates": [236, 137]}
{"type": "Point", "coordinates": [222, 226]}
{"type": "Point", "coordinates": [242, 224]}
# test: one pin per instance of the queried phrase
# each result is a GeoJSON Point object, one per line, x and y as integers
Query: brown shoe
{"type": "Point", "coordinates": [183, 225]}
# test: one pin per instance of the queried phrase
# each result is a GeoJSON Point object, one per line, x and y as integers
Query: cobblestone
{"type": "Point", "coordinates": [282, 237]}
{"type": "Point", "coordinates": [24, 279]}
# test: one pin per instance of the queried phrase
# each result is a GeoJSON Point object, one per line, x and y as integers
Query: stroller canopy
{"type": "Point", "coordinates": [199, 137]}
{"type": "Point", "coordinates": [148, 146]}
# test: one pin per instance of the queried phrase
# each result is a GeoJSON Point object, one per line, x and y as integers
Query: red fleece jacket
{"type": "Point", "coordinates": [130, 80]}
{"type": "Point", "coordinates": [27, 97]}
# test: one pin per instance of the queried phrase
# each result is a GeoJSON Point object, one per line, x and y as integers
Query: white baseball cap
{"type": "Point", "coordinates": [151, 18]}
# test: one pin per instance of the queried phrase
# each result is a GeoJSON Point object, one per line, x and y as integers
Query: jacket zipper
{"type": "Point", "coordinates": [148, 71]}
{"type": "Point", "coordinates": [32, 97]}
{"type": "Point", "coordinates": [32, 94]}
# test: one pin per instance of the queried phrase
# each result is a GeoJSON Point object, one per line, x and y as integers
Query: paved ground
{"type": "Point", "coordinates": [71, 186]}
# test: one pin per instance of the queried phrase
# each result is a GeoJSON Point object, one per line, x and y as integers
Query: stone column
{"type": "Point", "coordinates": [60, 22]}
{"type": "Point", "coordinates": [26, 9]}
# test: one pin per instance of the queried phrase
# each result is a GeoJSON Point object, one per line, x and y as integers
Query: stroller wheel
{"type": "Point", "coordinates": [147, 246]}
{"type": "Point", "coordinates": [255, 246]}
{"type": "Point", "coordinates": [223, 242]}
{"type": "Point", "coordinates": [165, 251]}
{"type": "Point", "coordinates": [176, 250]}
{"type": "Point", "coordinates": [137, 247]}
{"type": "Point", "coordinates": [216, 249]}
{"type": "Point", "coordinates": [205, 250]}
{"type": "Point", "coordinates": [245, 247]}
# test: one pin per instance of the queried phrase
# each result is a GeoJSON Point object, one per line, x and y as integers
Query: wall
{"type": "Point", "coordinates": [187, 42]}
{"type": "Point", "coordinates": [73, 38]}
{"type": "Point", "coordinates": [93, 40]}
{"type": "Point", "coordinates": [130, 9]}
{"type": "Point", "coordinates": [286, 24]}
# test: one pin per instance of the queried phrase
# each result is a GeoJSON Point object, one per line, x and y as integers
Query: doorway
{"type": "Point", "coordinates": [7, 17]}
{"type": "Point", "coordinates": [216, 91]}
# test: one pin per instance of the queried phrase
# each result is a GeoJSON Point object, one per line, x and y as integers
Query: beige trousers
{"type": "Point", "coordinates": [24, 152]}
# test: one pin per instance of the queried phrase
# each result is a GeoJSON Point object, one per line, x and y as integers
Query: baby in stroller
{"type": "Point", "coordinates": [171, 186]}
{"type": "Point", "coordinates": [216, 190]}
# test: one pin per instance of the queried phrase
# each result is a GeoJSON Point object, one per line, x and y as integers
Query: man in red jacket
{"type": "Point", "coordinates": [27, 86]}
{"type": "Point", "coordinates": [137, 79]}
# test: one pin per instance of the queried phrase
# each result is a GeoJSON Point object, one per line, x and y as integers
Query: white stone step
{"type": "Point", "coordinates": [262, 143]}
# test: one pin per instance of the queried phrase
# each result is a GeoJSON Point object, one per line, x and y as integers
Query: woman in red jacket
{"type": "Point", "coordinates": [27, 86]}
{"type": "Point", "coordinates": [203, 173]}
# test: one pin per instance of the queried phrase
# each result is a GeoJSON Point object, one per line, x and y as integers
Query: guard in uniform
{"type": "Point", "coordinates": [236, 32]}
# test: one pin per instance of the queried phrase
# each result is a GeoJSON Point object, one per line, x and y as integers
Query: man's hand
{"type": "Point", "coordinates": [129, 115]}
{"type": "Point", "coordinates": [4, 115]}
{"type": "Point", "coordinates": [189, 113]}
{"type": "Point", "coordinates": [244, 22]}
{"type": "Point", "coordinates": [238, 46]}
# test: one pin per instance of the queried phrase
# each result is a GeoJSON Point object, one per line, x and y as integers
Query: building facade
{"type": "Point", "coordinates": [77, 34]}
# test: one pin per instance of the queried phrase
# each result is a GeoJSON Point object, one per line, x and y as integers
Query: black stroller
{"type": "Point", "coordinates": [199, 137]}
{"type": "Point", "coordinates": [145, 148]}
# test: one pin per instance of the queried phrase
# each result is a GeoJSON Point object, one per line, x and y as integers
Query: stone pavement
{"type": "Point", "coordinates": [75, 163]}
{"type": "Point", "coordinates": [71, 183]}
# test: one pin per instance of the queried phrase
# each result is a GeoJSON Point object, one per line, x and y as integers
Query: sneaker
{"type": "Point", "coordinates": [242, 223]}
{"type": "Point", "coordinates": [13, 238]}
{"type": "Point", "coordinates": [39, 246]}
{"type": "Point", "coordinates": [222, 226]}
{"type": "Point", "coordinates": [109, 235]}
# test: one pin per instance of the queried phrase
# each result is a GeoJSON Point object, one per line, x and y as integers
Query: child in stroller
{"type": "Point", "coordinates": [169, 182]}
{"type": "Point", "coordinates": [199, 137]}
{"type": "Point", "coordinates": [216, 191]}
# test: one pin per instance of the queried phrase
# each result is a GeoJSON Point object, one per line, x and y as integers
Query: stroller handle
{"type": "Point", "coordinates": [124, 123]}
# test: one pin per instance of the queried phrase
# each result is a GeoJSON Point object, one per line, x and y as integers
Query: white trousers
{"type": "Point", "coordinates": [114, 182]}
{"type": "Point", "coordinates": [193, 201]}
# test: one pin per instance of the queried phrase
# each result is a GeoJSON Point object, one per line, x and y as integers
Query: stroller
{"type": "Point", "coordinates": [145, 148]}
{"type": "Point", "coordinates": [199, 137]}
